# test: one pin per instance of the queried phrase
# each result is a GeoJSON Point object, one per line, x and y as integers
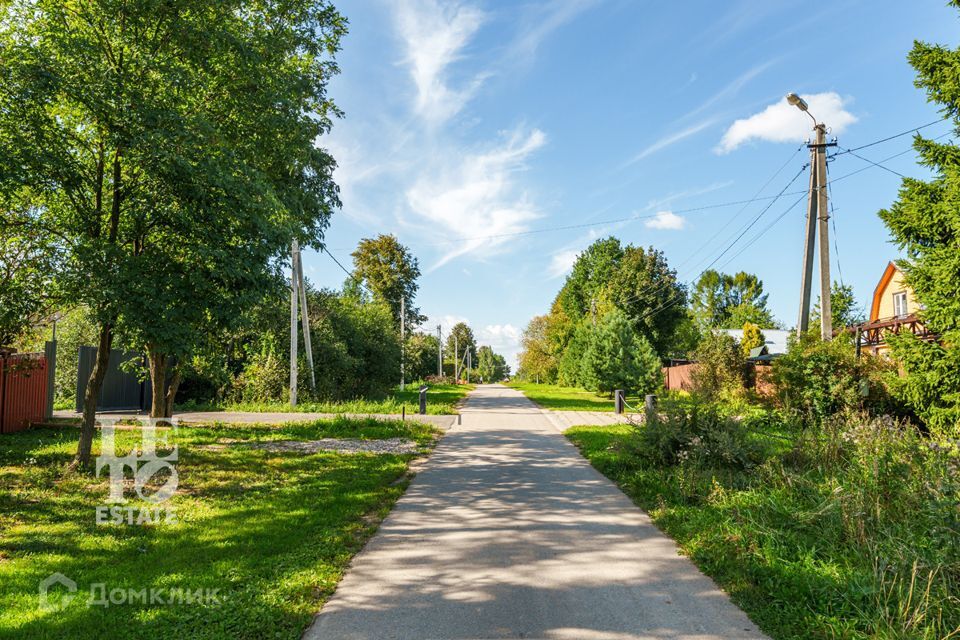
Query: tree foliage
{"type": "Point", "coordinates": [724, 301]}
{"type": "Point", "coordinates": [390, 272]}
{"type": "Point", "coordinates": [537, 361]}
{"type": "Point", "coordinates": [172, 147]}
{"type": "Point", "coordinates": [752, 338]}
{"type": "Point", "coordinates": [617, 357]}
{"type": "Point", "coordinates": [925, 224]}
{"type": "Point", "coordinates": [460, 340]}
{"type": "Point", "coordinates": [491, 366]}
{"type": "Point", "coordinates": [846, 310]}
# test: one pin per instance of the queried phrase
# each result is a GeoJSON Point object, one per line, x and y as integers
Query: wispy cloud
{"type": "Point", "coordinates": [685, 130]}
{"type": "Point", "coordinates": [561, 262]}
{"type": "Point", "coordinates": [666, 220]}
{"type": "Point", "coordinates": [542, 21]}
{"type": "Point", "coordinates": [672, 139]}
{"type": "Point", "coordinates": [478, 198]}
{"type": "Point", "coordinates": [434, 37]}
{"type": "Point", "coordinates": [782, 122]}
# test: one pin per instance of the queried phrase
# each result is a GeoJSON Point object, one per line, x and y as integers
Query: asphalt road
{"type": "Point", "coordinates": [507, 532]}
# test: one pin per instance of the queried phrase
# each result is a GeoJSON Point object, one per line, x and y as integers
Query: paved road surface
{"type": "Point", "coordinates": [508, 533]}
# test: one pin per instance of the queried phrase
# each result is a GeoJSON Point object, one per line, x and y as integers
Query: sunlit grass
{"type": "Point", "coordinates": [558, 398]}
{"type": "Point", "coordinates": [442, 399]}
{"type": "Point", "coordinates": [273, 532]}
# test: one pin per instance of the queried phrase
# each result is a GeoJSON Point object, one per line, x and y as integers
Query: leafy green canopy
{"type": "Point", "coordinates": [724, 301]}
{"type": "Point", "coordinates": [925, 223]}
{"type": "Point", "coordinates": [172, 149]}
{"type": "Point", "coordinates": [390, 271]}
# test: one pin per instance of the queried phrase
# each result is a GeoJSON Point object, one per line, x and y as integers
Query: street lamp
{"type": "Point", "coordinates": [801, 104]}
{"type": "Point", "coordinates": [817, 217]}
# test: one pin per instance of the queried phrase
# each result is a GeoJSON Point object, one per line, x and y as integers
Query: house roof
{"type": "Point", "coordinates": [775, 339]}
{"type": "Point", "coordinates": [881, 287]}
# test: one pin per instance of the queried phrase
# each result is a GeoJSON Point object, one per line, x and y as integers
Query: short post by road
{"type": "Point", "coordinates": [423, 400]}
{"type": "Point", "coordinates": [650, 406]}
{"type": "Point", "coordinates": [618, 401]}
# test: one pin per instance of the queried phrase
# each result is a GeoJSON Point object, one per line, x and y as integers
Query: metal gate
{"type": "Point", "coordinates": [121, 391]}
{"type": "Point", "coordinates": [23, 390]}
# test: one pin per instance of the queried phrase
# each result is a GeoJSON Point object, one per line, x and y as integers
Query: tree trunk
{"type": "Point", "coordinates": [172, 391]}
{"type": "Point", "coordinates": [158, 382]}
{"type": "Point", "coordinates": [92, 394]}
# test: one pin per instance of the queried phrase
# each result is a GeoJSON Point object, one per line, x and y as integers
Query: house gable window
{"type": "Point", "coordinates": [900, 304]}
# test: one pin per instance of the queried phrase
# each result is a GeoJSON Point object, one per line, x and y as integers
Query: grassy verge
{"type": "Point", "coordinates": [442, 399]}
{"type": "Point", "coordinates": [865, 544]}
{"type": "Point", "coordinates": [271, 531]}
{"type": "Point", "coordinates": [551, 396]}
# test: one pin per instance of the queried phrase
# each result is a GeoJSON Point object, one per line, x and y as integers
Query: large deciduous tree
{"type": "Point", "coordinates": [925, 223]}
{"type": "Point", "coordinates": [646, 289]}
{"type": "Point", "coordinates": [460, 340]}
{"type": "Point", "coordinates": [537, 360]}
{"type": "Point", "coordinates": [390, 272]}
{"type": "Point", "coordinates": [173, 149]}
{"type": "Point", "coordinates": [724, 301]}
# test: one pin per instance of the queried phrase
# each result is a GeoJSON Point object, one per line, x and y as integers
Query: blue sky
{"type": "Point", "coordinates": [473, 129]}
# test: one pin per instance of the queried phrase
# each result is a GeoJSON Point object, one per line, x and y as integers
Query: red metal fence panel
{"type": "Point", "coordinates": [23, 391]}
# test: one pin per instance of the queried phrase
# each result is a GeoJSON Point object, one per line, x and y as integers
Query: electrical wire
{"type": "Point", "coordinates": [894, 136]}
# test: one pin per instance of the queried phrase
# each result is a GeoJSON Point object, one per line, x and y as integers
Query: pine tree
{"type": "Point", "coordinates": [925, 223]}
{"type": "Point", "coordinates": [618, 358]}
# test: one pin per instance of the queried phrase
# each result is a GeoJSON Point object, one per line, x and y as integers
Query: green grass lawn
{"type": "Point", "coordinates": [273, 532]}
{"type": "Point", "coordinates": [442, 399]}
{"type": "Point", "coordinates": [790, 544]}
{"type": "Point", "coordinates": [551, 396]}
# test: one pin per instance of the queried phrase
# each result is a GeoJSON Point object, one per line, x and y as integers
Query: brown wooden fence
{"type": "Point", "coordinates": [679, 377]}
{"type": "Point", "coordinates": [23, 390]}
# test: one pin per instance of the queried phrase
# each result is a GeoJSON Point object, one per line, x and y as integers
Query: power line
{"type": "Point", "coordinates": [350, 274]}
{"type": "Point", "coordinates": [894, 136]}
{"type": "Point", "coordinates": [876, 164]}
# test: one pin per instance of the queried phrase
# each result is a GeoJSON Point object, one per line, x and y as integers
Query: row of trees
{"type": "Point", "coordinates": [626, 305]}
{"type": "Point", "coordinates": [167, 155]}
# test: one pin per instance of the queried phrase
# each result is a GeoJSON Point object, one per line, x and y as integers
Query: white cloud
{"type": "Point", "coordinates": [666, 220]}
{"type": "Point", "coordinates": [782, 122]}
{"type": "Point", "coordinates": [561, 262]}
{"type": "Point", "coordinates": [435, 35]}
{"type": "Point", "coordinates": [503, 339]}
{"type": "Point", "coordinates": [477, 199]}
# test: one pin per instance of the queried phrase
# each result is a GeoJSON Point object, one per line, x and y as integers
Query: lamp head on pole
{"type": "Point", "coordinates": [797, 101]}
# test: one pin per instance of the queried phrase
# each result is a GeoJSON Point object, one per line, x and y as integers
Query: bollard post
{"type": "Point", "coordinates": [650, 404]}
{"type": "Point", "coordinates": [403, 412]}
{"type": "Point", "coordinates": [423, 400]}
{"type": "Point", "coordinates": [618, 401]}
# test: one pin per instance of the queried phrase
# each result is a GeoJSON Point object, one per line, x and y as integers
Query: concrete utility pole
{"type": "Point", "coordinates": [403, 346]}
{"type": "Point", "coordinates": [456, 358]}
{"type": "Point", "coordinates": [818, 216]}
{"type": "Point", "coordinates": [293, 324]}
{"type": "Point", "coordinates": [439, 352]}
{"type": "Point", "coordinates": [469, 363]}
{"type": "Point", "coordinates": [298, 294]}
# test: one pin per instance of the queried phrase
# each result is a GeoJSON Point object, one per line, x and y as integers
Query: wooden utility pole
{"type": "Point", "coordinates": [818, 216]}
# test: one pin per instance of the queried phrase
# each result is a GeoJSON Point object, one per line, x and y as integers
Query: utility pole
{"type": "Point", "coordinates": [298, 294]}
{"type": "Point", "coordinates": [818, 216]}
{"type": "Point", "coordinates": [456, 358]}
{"type": "Point", "coordinates": [469, 363]}
{"type": "Point", "coordinates": [293, 324]}
{"type": "Point", "coordinates": [403, 349]}
{"type": "Point", "coordinates": [305, 319]}
{"type": "Point", "coordinates": [439, 352]}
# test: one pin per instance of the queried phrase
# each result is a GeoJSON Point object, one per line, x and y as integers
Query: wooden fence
{"type": "Point", "coordinates": [679, 377]}
{"type": "Point", "coordinates": [24, 390]}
